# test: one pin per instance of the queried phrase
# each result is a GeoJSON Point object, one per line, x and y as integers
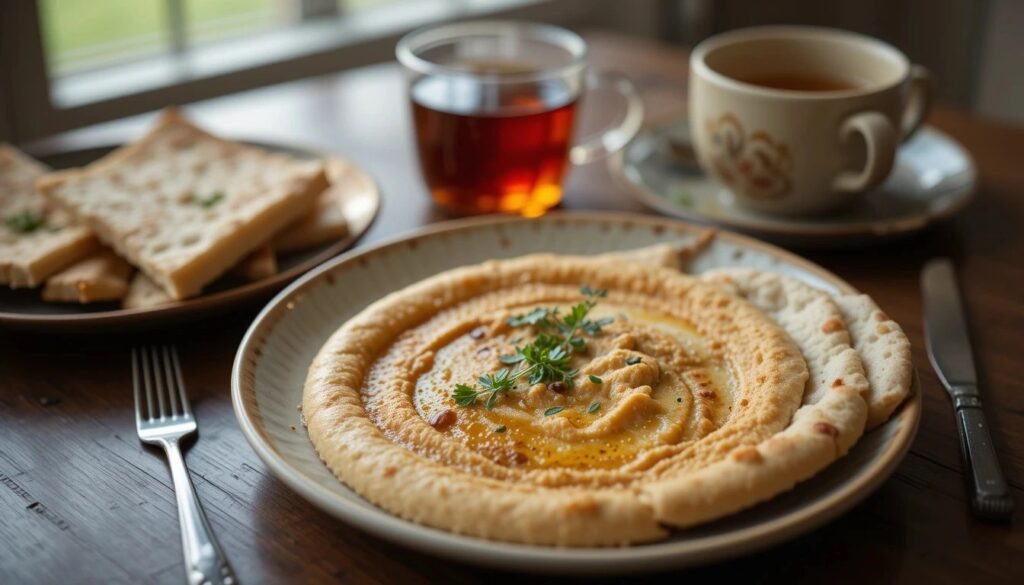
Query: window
{"type": "Point", "coordinates": [79, 62]}
{"type": "Point", "coordinates": [81, 35]}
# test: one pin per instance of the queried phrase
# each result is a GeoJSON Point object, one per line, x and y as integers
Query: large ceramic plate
{"type": "Point", "coordinates": [933, 178]}
{"type": "Point", "coordinates": [25, 308]}
{"type": "Point", "coordinates": [271, 366]}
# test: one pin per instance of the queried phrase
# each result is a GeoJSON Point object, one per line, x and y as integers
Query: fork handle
{"type": "Point", "coordinates": [991, 497]}
{"type": "Point", "coordinates": [205, 562]}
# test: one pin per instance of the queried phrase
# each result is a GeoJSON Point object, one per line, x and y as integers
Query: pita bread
{"type": "Point", "coordinates": [675, 255]}
{"type": "Point", "coordinates": [823, 429]}
{"type": "Point", "coordinates": [885, 351]}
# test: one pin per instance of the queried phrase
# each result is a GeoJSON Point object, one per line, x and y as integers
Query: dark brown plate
{"type": "Point", "coordinates": [25, 308]}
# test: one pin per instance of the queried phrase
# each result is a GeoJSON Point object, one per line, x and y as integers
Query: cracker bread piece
{"type": "Point", "coordinates": [326, 222]}
{"type": "Point", "coordinates": [885, 351]}
{"type": "Point", "coordinates": [28, 252]}
{"type": "Point", "coordinates": [257, 265]}
{"type": "Point", "coordinates": [143, 293]}
{"type": "Point", "coordinates": [183, 205]}
{"type": "Point", "coordinates": [100, 277]}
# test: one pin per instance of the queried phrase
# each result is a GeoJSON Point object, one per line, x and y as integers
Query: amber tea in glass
{"type": "Point", "coordinates": [493, 108]}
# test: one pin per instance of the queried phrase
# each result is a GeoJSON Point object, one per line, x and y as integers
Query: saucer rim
{"type": "Point", "coordinates": [769, 227]}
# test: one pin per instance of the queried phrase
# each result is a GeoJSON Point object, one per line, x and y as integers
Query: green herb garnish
{"type": "Point", "coordinates": [492, 384]}
{"type": "Point", "coordinates": [208, 201]}
{"type": "Point", "coordinates": [538, 317]}
{"type": "Point", "coordinates": [633, 360]}
{"type": "Point", "coordinates": [501, 429]}
{"type": "Point", "coordinates": [595, 379]}
{"type": "Point", "coordinates": [546, 359]}
{"type": "Point", "coordinates": [553, 410]}
{"type": "Point", "coordinates": [25, 222]}
{"type": "Point", "coordinates": [593, 407]}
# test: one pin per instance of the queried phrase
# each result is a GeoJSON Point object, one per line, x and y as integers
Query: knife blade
{"type": "Point", "coordinates": [949, 350]}
{"type": "Point", "coordinates": [949, 344]}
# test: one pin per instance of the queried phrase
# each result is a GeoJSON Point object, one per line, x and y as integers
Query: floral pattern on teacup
{"type": "Point", "coordinates": [756, 166]}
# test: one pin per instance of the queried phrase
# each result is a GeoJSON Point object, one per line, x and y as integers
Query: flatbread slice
{"type": "Point", "coordinates": [36, 240]}
{"type": "Point", "coordinates": [100, 277]}
{"type": "Point", "coordinates": [143, 293]}
{"type": "Point", "coordinates": [885, 351]}
{"type": "Point", "coordinates": [183, 205]}
{"type": "Point", "coordinates": [326, 222]}
{"type": "Point", "coordinates": [257, 265]}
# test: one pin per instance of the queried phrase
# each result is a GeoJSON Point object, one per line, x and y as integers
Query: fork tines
{"type": "Point", "coordinates": [156, 371]}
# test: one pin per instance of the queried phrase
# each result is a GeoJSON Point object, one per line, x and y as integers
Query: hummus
{"type": "Point", "coordinates": [686, 377]}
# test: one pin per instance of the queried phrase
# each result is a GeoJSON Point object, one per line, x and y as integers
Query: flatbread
{"type": "Point", "coordinates": [880, 343]}
{"type": "Point", "coordinates": [185, 206]}
{"type": "Point", "coordinates": [668, 255]}
{"type": "Point", "coordinates": [326, 222]}
{"type": "Point", "coordinates": [143, 293]}
{"type": "Point", "coordinates": [257, 265]}
{"type": "Point", "coordinates": [100, 277]}
{"type": "Point", "coordinates": [812, 319]}
{"type": "Point", "coordinates": [46, 239]}
{"type": "Point", "coordinates": [407, 467]}
{"type": "Point", "coordinates": [826, 426]}
{"type": "Point", "coordinates": [885, 351]}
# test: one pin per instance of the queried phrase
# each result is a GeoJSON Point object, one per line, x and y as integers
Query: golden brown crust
{"type": "Point", "coordinates": [444, 484]}
{"type": "Point", "coordinates": [826, 426]}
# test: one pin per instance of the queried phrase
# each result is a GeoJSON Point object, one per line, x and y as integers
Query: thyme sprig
{"type": "Point", "coordinates": [547, 358]}
{"type": "Point", "coordinates": [25, 222]}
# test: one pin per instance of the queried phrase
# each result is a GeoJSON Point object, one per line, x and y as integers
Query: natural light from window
{"type": "Point", "coordinates": [83, 35]}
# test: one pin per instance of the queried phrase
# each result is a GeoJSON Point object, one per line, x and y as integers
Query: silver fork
{"type": "Point", "coordinates": [163, 417]}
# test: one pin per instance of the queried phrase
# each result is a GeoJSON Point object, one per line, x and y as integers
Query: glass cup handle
{"type": "Point", "coordinates": [880, 139]}
{"type": "Point", "coordinates": [612, 139]}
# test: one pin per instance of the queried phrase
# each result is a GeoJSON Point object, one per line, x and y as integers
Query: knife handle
{"type": "Point", "coordinates": [991, 498]}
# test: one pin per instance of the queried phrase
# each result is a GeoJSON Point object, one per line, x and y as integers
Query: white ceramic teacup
{"type": "Point", "coordinates": [800, 120]}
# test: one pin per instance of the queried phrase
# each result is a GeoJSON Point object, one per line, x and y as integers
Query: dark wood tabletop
{"type": "Point", "coordinates": [83, 501]}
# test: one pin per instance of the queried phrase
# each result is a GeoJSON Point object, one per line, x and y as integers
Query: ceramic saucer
{"type": "Point", "coordinates": [933, 178]}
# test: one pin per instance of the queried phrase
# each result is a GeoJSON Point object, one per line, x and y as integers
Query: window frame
{"type": "Point", "coordinates": [30, 107]}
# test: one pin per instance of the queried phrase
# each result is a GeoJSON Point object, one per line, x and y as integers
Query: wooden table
{"type": "Point", "coordinates": [83, 502]}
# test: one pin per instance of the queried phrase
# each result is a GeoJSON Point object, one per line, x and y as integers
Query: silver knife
{"type": "Point", "coordinates": [949, 349]}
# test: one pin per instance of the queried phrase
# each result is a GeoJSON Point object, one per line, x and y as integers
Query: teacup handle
{"type": "Point", "coordinates": [881, 140]}
{"type": "Point", "coordinates": [919, 100]}
{"type": "Point", "coordinates": [615, 138]}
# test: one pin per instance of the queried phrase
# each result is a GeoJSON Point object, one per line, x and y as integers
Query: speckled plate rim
{"type": "Point", "coordinates": [809, 231]}
{"type": "Point", "coordinates": [526, 558]}
{"type": "Point", "coordinates": [359, 223]}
